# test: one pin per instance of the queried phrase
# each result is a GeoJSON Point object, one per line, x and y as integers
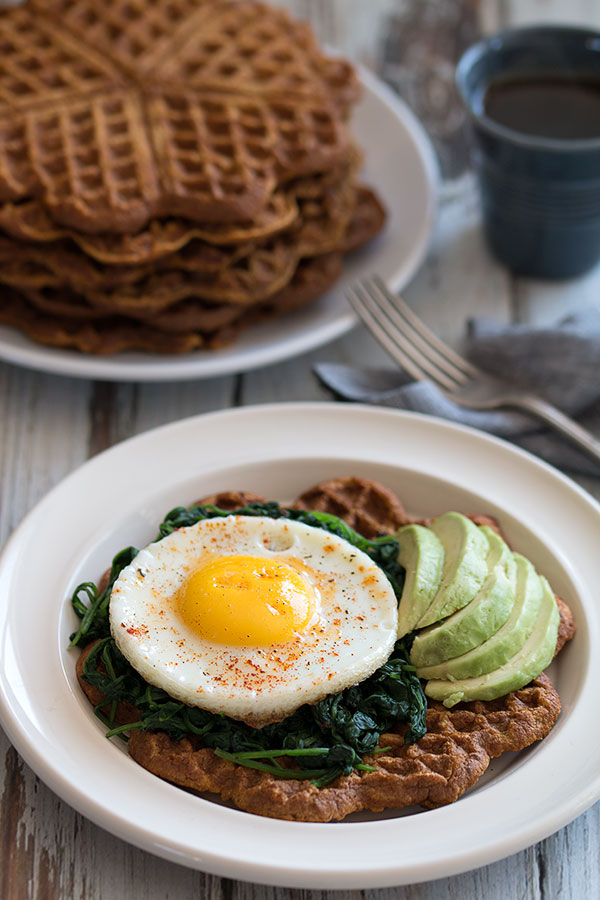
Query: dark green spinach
{"type": "Point", "coordinates": [324, 740]}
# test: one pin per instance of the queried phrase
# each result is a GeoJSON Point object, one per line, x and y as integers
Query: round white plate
{"type": "Point", "coordinates": [278, 450]}
{"type": "Point", "coordinates": [400, 165]}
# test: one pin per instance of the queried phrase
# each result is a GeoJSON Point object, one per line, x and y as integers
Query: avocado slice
{"type": "Point", "coordinates": [422, 555]}
{"type": "Point", "coordinates": [533, 657]}
{"type": "Point", "coordinates": [507, 641]}
{"type": "Point", "coordinates": [500, 553]}
{"type": "Point", "coordinates": [465, 568]}
{"type": "Point", "coordinates": [478, 620]}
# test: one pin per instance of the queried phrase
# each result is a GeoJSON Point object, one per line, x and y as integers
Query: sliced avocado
{"type": "Point", "coordinates": [465, 568]}
{"type": "Point", "coordinates": [500, 553]}
{"type": "Point", "coordinates": [422, 555]}
{"type": "Point", "coordinates": [478, 620]}
{"type": "Point", "coordinates": [533, 657]}
{"type": "Point", "coordinates": [507, 641]}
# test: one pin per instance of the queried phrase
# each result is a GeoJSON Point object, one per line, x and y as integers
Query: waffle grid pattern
{"type": "Point", "coordinates": [159, 142]}
{"type": "Point", "coordinates": [182, 328]}
{"type": "Point", "coordinates": [166, 162]}
{"type": "Point", "coordinates": [29, 221]}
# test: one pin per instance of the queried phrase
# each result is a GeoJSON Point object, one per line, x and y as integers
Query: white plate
{"type": "Point", "coordinates": [119, 497]}
{"type": "Point", "coordinates": [400, 164]}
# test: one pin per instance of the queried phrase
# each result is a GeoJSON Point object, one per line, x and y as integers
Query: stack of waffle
{"type": "Point", "coordinates": [170, 171]}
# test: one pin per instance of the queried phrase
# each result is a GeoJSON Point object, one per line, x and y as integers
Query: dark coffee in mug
{"type": "Point", "coordinates": [550, 105]}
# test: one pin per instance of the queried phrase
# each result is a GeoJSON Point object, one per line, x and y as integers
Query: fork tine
{"type": "Point", "coordinates": [402, 333]}
{"type": "Point", "coordinates": [392, 340]}
{"type": "Point", "coordinates": [371, 321]}
{"type": "Point", "coordinates": [411, 325]}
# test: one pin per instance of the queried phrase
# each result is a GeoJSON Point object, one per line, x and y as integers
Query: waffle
{"type": "Point", "coordinates": [39, 308]}
{"type": "Point", "coordinates": [275, 55]}
{"type": "Point", "coordinates": [436, 770]}
{"type": "Point", "coordinates": [366, 221]}
{"type": "Point", "coordinates": [368, 507]}
{"type": "Point", "coordinates": [54, 304]}
{"type": "Point", "coordinates": [112, 336]}
{"type": "Point", "coordinates": [230, 499]}
{"type": "Point", "coordinates": [59, 280]}
{"type": "Point", "coordinates": [327, 200]}
{"type": "Point", "coordinates": [217, 158]}
{"type": "Point", "coordinates": [321, 224]}
{"type": "Point", "coordinates": [43, 65]}
{"type": "Point", "coordinates": [112, 137]}
{"type": "Point", "coordinates": [29, 221]}
{"type": "Point", "coordinates": [58, 322]}
{"type": "Point", "coordinates": [221, 323]}
{"type": "Point", "coordinates": [249, 280]}
{"type": "Point", "coordinates": [134, 33]}
{"type": "Point", "coordinates": [246, 48]}
{"type": "Point", "coordinates": [181, 164]}
{"type": "Point", "coordinates": [251, 276]}
{"type": "Point", "coordinates": [61, 265]}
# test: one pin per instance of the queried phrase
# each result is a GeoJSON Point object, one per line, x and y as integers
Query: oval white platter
{"type": "Point", "coordinates": [278, 450]}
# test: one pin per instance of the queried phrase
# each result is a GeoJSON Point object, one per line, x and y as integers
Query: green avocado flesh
{"type": "Point", "coordinates": [478, 620]}
{"type": "Point", "coordinates": [535, 654]}
{"type": "Point", "coordinates": [465, 567]}
{"type": "Point", "coordinates": [486, 622]}
{"type": "Point", "coordinates": [422, 555]}
{"type": "Point", "coordinates": [507, 641]}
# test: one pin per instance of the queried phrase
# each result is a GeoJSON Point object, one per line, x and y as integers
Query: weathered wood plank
{"type": "Point", "coordinates": [45, 435]}
{"type": "Point", "coordinates": [351, 26]}
{"type": "Point", "coordinates": [460, 278]}
{"type": "Point", "coordinates": [575, 12]}
{"type": "Point", "coordinates": [50, 425]}
{"type": "Point", "coordinates": [158, 404]}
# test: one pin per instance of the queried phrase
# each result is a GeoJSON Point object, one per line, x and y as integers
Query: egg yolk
{"type": "Point", "coordinates": [247, 601]}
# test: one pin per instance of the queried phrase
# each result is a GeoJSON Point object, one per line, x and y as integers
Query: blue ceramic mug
{"type": "Point", "coordinates": [533, 97]}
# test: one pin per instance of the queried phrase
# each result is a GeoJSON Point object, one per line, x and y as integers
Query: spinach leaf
{"type": "Point", "coordinates": [94, 614]}
{"type": "Point", "coordinates": [324, 740]}
{"type": "Point", "coordinates": [328, 738]}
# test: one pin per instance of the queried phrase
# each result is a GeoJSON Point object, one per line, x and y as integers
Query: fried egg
{"type": "Point", "coordinates": [253, 617]}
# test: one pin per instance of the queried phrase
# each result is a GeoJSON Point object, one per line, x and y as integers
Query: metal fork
{"type": "Point", "coordinates": [424, 356]}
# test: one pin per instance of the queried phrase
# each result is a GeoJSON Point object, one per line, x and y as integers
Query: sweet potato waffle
{"type": "Point", "coordinates": [238, 271]}
{"type": "Point", "coordinates": [109, 139]}
{"type": "Point", "coordinates": [186, 326]}
{"type": "Point", "coordinates": [29, 221]}
{"type": "Point", "coordinates": [436, 770]}
{"type": "Point", "coordinates": [174, 318]}
{"type": "Point", "coordinates": [160, 152]}
{"type": "Point", "coordinates": [209, 44]}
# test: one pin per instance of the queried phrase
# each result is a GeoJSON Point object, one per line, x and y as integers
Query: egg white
{"type": "Point", "coordinates": [354, 636]}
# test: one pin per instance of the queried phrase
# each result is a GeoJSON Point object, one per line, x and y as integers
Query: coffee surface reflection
{"type": "Point", "coordinates": [564, 107]}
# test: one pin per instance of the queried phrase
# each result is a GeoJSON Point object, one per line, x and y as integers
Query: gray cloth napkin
{"type": "Point", "coordinates": [560, 363]}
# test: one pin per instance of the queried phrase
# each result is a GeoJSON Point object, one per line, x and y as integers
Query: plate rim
{"type": "Point", "coordinates": [187, 367]}
{"type": "Point", "coordinates": [282, 875]}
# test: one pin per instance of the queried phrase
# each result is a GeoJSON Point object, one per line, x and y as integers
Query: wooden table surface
{"type": "Point", "coordinates": [51, 424]}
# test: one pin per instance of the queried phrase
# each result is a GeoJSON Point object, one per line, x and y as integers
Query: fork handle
{"type": "Point", "coordinates": [561, 423]}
